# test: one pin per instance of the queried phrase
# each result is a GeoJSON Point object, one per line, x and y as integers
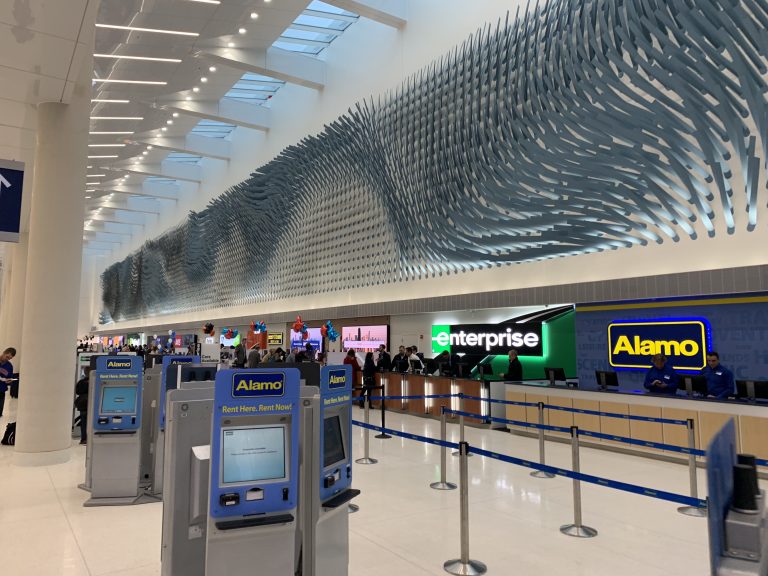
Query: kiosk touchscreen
{"type": "Point", "coordinates": [327, 476]}
{"type": "Point", "coordinates": [115, 431]}
{"type": "Point", "coordinates": [254, 470]}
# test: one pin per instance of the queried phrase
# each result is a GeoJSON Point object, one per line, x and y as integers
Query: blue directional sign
{"type": "Point", "coordinates": [11, 183]}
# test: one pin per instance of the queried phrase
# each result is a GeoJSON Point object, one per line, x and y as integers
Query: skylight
{"type": "Point", "coordinates": [315, 28]}
{"type": "Point", "coordinates": [213, 129]}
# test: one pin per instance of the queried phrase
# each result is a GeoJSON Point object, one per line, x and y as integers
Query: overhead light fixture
{"type": "Point", "coordinates": [144, 153]}
{"type": "Point", "coordinates": [106, 145]}
{"type": "Point", "coordinates": [195, 89]}
{"type": "Point", "coordinates": [87, 197]}
{"type": "Point", "coordinates": [110, 101]}
{"type": "Point", "coordinates": [95, 175]}
{"type": "Point", "coordinates": [105, 133]}
{"type": "Point", "coordinates": [90, 190]}
{"type": "Point", "coordinates": [169, 122]}
{"type": "Point", "coordinates": [175, 114]}
{"type": "Point", "coordinates": [188, 98]}
{"type": "Point", "coordinates": [152, 30]}
{"type": "Point", "coordinates": [254, 15]}
{"type": "Point", "coordinates": [230, 44]}
{"type": "Point", "coordinates": [164, 129]}
{"type": "Point", "coordinates": [211, 68]}
{"type": "Point", "coordinates": [110, 156]}
{"type": "Point", "coordinates": [149, 147]}
{"type": "Point", "coordinates": [110, 80]}
{"type": "Point", "coordinates": [207, 1]}
{"type": "Point", "coordinates": [117, 118]}
{"type": "Point", "coordinates": [203, 79]}
{"type": "Point", "coordinates": [242, 31]}
{"type": "Point", "coordinates": [147, 58]}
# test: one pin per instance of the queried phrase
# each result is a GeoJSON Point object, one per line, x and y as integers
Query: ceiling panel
{"type": "Point", "coordinates": [42, 54]}
{"type": "Point", "coordinates": [61, 18]}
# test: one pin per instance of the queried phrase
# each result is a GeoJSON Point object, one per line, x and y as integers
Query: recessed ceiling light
{"type": "Point", "coordinates": [195, 89]}
{"type": "Point", "coordinates": [211, 68]}
{"type": "Point", "coordinates": [164, 129]}
{"type": "Point", "coordinates": [152, 30]}
{"type": "Point", "coordinates": [104, 133]}
{"type": "Point", "coordinates": [110, 156]}
{"type": "Point", "coordinates": [169, 122]}
{"type": "Point", "coordinates": [231, 44]}
{"type": "Point", "coordinates": [149, 147]}
{"type": "Point", "coordinates": [117, 118]}
{"type": "Point", "coordinates": [110, 101]}
{"type": "Point", "coordinates": [109, 80]}
{"type": "Point", "coordinates": [254, 15]}
{"type": "Point", "coordinates": [106, 145]}
{"type": "Point", "coordinates": [149, 58]}
{"type": "Point", "coordinates": [203, 79]}
{"type": "Point", "coordinates": [242, 31]}
{"type": "Point", "coordinates": [87, 197]}
{"type": "Point", "coordinates": [188, 98]}
{"type": "Point", "coordinates": [144, 153]}
{"type": "Point", "coordinates": [175, 114]}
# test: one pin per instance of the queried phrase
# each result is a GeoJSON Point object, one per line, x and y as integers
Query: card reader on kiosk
{"type": "Point", "coordinates": [115, 424]}
{"type": "Point", "coordinates": [254, 471]}
{"type": "Point", "coordinates": [327, 475]}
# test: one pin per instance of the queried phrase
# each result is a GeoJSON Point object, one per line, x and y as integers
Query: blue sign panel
{"type": "Point", "coordinates": [337, 379]}
{"type": "Point", "coordinates": [335, 474]}
{"type": "Point", "coordinates": [258, 385]}
{"type": "Point", "coordinates": [684, 341]}
{"type": "Point", "coordinates": [11, 183]}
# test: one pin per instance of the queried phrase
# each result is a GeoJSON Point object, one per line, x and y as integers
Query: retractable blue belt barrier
{"type": "Point", "coordinates": [623, 486]}
{"type": "Point", "coordinates": [620, 416]}
{"type": "Point", "coordinates": [496, 401]}
{"type": "Point", "coordinates": [408, 397]}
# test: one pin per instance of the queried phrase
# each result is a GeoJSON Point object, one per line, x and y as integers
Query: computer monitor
{"type": "Point", "coordinates": [253, 454]}
{"type": "Point", "coordinates": [694, 384]}
{"type": "Point", "coordinates": [606, 379]}
{"type": "Point", "coordinates": [554, 375]}
{"type": "Point", "coordinates": [118, 400]}
{"type": "Point", "coordinates": [752, 389]}
{"type": "Point", "coordinates": [333, 442]}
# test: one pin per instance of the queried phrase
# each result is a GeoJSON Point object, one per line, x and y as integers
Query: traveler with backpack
{"type": "Point", "coordinates": [81, 403]}
{"type": "Point", "coordinates": [6, 373]}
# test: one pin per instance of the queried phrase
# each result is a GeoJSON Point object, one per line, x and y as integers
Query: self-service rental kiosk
{"type": "Point", "coordinates": [254, 472]}
{"type": "Point", "coordinates": [327, 475]}
{"type": "Point", "coordinates": [115, 431]}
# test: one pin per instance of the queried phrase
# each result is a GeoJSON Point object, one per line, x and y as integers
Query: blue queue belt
{"type": "Point", "coordinates": [357, 398]}
{"type": "Point", "coordinates": [623, 486]}
{"type": "Point", "coordinates": [588, 433]}
{"type": "Point", "coordinates": [496, 401]}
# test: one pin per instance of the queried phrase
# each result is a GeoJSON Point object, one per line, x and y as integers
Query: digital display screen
{"type": "Point", "coordinates": [364, 338]}
{"type": "Point", "coordinates": [118, 399]}
{"type": "Point", "coordinates": [333, 446]}
{"type": "Point", "coordinates": [230, 341]}
{"type": "Point", "coordinates": [315, 338]}
{"type": "Point", "coordinates": [253, 454]}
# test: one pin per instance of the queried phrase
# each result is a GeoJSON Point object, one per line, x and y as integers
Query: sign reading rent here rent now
{"type": "Point", "coordinates": [11, 183]}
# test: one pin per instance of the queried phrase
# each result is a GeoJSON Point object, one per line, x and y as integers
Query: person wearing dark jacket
{"type": "Point", "coordinates": [514, 371]}
{"type": "Point", "coordinates": [369, 378]}
{"type": "Point", "coordinates": [352, 360]}
{"type": "Point", "coordinates": [6, 374]}
{"type": "Point", "coordinates": [719, 378]}
{"type": "Point", "coordinates": [384, 363]}
{"type": "Point", "coordinates": [661, 378]}
{"type": "Point", "coordinates": [81, 403]}
{"type": "Point", "coordinates": [239, 361]}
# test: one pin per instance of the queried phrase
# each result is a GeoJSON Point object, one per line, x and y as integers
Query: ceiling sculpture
{"type": "Point", "coordinates": [580, 126]}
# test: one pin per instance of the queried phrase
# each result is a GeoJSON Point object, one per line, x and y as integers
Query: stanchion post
{"type": "Point", "coordinates": [542, 458]}
{"type": "Point", "coordinates": [352, 508]}
{"type": "Point", "coordinates": [577, 529]}
{"type": "Point", "coordinates": [461, 424]}
{"type": "Point", "coordinates": [464, 566]}
{"type": "Point", "coordinates": [383, 435]}
{"type": "Point", "coordinates": [443, 484]}
{"type": "Point", "coordinates": [700, 512]}
{"type": "Point", "coordinates": [366, 459]}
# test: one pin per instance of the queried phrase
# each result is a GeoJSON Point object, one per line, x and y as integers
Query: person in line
{"type": "Point", "coordinates": [81, 403]}
{"type": "Point", "coordinates": [514, 371]}
{"type": "Point", "coordinates": [240, 359]}
{"type": "Point", "coordinates": [720, 382]}
{"type": "Point", "coordinates": [291, 358]}
{"type": "Point", "coordinates": [415, 364]}
{"type": "Point", "coordinates": [254, 356]}
{"type": "Point", "coordinates": [369, 378]}
{"type": "Point", "coordinates": [661, 378]}
{"type": "Point", "coordinates": [6, 374]}
{"type": "Point", "coordinates": [351, 359]}
{"type": "Point", "coordinates": [310, 352]}
{"type": "Point", "coordinates": [400, 361]}
{"type": "Point", "coordinates": [384, 362]}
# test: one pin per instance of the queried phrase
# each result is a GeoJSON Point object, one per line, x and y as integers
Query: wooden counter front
{"type": "Point", "coordinates": [415, 386]}
{"type": "Point", "coordinates": [440, 385]}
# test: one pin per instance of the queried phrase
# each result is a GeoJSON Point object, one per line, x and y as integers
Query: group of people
{"type": "Point", "coordinates": [252, 358]}
{"type": "Point", "coordinates": [662, 378]}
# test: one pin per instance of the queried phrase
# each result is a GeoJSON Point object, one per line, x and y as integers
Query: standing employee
{"type": "Point", "coordinates": [6, 373]}
{"type": "Point", "coordinates": [515, 368]}
{"type": "Point", "coordinates": [661, 378]}
{"type": "Point", "coordinates": [719, 378]}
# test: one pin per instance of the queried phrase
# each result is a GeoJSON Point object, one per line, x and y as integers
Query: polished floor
{"type": "Point", "coordinates": [403, 527]}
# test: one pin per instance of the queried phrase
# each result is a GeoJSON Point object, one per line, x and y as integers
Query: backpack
{"type": "Point", "coordinates": [9, 438]}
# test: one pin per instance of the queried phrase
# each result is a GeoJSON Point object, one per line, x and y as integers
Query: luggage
{"type": "Point", "coordinates": [9, 438]}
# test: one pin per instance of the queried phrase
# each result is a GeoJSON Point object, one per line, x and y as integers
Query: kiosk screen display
{"type": "Point", "coordinates": [253, 454]}
{"type": "Point", "coordinates": [118, 400]}
{"type": "Point", "coordinates": [333, 447]}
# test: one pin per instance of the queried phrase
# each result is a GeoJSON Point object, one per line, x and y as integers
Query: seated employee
{"type": "Point", "coordinates": [661, 378]}
{"type": "Point", "coordinates": [719, 378]}
{"type": "Point", "coordinates": [515, 369]}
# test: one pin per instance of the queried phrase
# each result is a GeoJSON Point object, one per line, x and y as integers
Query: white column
{"type": "Point", "coordinates": [53, 279]}
{"type": "Point", "coordinates": [11, 320]}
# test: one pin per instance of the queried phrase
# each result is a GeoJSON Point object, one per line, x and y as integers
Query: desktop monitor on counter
{"type": "Point", "coordinates": [693, 385]}
{"type": "Point", "coordinates": [752, 389]}
{"type": "Point", "coordinates": [606, 379]}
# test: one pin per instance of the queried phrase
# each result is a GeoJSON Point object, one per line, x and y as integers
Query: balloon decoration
{"type": "Point", "coordinates": [229, 333]}
{"type": "Point", "coordinates": [258, 327]}
{"type": "Point", "coordinates": [208, 329]}
{"type": "Point", "coordinates": [300, 326]}
{"type": "Point", "coordinates": [328, 331]}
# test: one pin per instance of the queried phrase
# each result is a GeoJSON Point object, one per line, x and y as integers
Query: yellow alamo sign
{"type": "Point", "coordinates": [650, 347]}
{"type": "Point", "coordinates": [684, 342]}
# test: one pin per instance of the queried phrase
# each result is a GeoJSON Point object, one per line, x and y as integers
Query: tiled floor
{"type": "Point", "coordinates": [403, 528]}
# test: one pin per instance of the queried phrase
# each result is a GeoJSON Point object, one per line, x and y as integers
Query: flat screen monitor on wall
{"type": "Point", "coordinates": [253, 454]}
{"type": "Point", "coordinates": [315, 338]}
{"type": "Point", "coordinates": [229, 341]}
{"type": "Point", "coordinates": [365, 338]}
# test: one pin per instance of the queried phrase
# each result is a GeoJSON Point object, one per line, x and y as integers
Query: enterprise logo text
{"type": "Point", "coordinates": [488, 340]}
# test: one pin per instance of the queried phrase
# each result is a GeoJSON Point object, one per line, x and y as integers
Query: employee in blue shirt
{"type": "Point", "coordinates": [6, 373]}
{"type": "Point", "coordinates": [719, 378]}
{"type": "Point", "coordinates": [661, 378]}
